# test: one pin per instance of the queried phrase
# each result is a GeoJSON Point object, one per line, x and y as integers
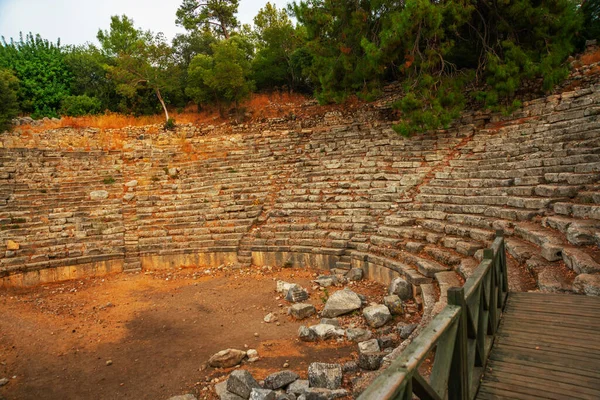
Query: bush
{"type": "Point", "coordinates": [9, 108]}
{"type": "Point", "coordinates": [76, 106]}
{"type": "Point", "coordinates": [169, 125]}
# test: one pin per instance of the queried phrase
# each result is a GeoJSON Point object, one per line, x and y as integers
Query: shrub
{"type": "Point", "coordinates": [8, 99]}
{"type": "Point", "coordinates": [170, 124]}
{"type": "Point", "coordinates": [77, 106]}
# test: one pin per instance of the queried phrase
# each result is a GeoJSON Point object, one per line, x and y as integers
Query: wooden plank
{"type": "Point", "coordinates": [507, 358]}
{"type": "Point", "coordinates": [552, 298]}
{"type": "Point", "coordinates": [548, 321]}
{"type": "Point", "coordinates": [534, 356]}
{"type": "Point", "coordinates": [535, 317]}
{"type": "Point", "coordinates": [422, 388]}
{"type": "Point", "coordinates": [494, 393]}
{"type": "Point", "coordinates": [520, 391]}
{"type": "Point", "coordinates": [545, 383]}
{"type": "Point", "coordinates": [565, 332]}
{"type": "Point", "coordinates": [541, 373]}
{"type": "Point", "coordinates": [511, 307]}
{"type": "Point", "coordinates": [440, 372]}
{"type": "Point", "coordinates": [554, 303]}
{"type": "Point", "coordinates": [551, 355]}
{"type": "Point", "coordinates": [548, 347]}
{"type": "Point", "coordinates": [547, 339]}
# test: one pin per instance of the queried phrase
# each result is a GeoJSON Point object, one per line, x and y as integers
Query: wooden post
{"type": "Point", "coordinates": [488, 254]}
{"type": "Point", "coordinates": [458, 384]}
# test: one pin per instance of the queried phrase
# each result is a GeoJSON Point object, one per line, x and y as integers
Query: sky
{"type": "Point", "coordinates": [78, 21]}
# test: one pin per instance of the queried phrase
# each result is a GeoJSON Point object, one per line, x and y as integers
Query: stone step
{"type": "Point", "coordinates": [550, 242]}
{"type": "Point", "coordinates": [578, 232]}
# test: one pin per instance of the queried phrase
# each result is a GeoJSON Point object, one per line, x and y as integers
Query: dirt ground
{"type": "Point", "coordinates": [148, 336]}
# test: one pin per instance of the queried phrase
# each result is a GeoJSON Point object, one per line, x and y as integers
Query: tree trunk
{"type": "Point", "coordinates": [162, 103]}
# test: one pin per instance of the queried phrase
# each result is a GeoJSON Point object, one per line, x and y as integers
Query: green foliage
{"type": "Point", "coordinates": [143, 61]}
{"type": "Point", "coordinates": [170, 125]}
{"type": "Point", "coordinates": [75, 106]}
{"type": "Point", "coordinates": [216, 14]}
{"type": "Point", "coordinates": [222, 78]}
{"type": "Point", "coordinates": [109, 180]}
{"type": "Point", "coordinates": [43, 75]}
{"type": "Point", "coordinates": [590, 10]}
{"type": "Point", "coordinates": [9, 106]}
{"type": "Point", "coordinates": [277, 41]}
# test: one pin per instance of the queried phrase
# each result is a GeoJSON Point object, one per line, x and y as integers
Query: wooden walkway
{"type": "Point", "coordinates": [547, 347]}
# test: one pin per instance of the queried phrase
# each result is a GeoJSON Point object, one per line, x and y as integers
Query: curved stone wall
{"type": "Point", "coordinates": [351, 194]}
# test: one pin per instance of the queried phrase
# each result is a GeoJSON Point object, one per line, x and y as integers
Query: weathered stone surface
{"type": "Point", "coordinates": [99, 195]}
{"type": "Point", "coordinates": [306, 334]}
{"type": "Point", "coordinates": [387, 341]}
{"type": "Point", "coordinates": [350, 366]}
{"type": "Point", "coordinates": [263, 394]}
{"type": "Point", "coordinates": [224, 394]}
{"type": "Point", "coordinates": [358, 334]}
{"type": "Point", "coordinates": [323, 375]}
{"type": "Point", "coordinates": [280, 379]}
{"type": "Point", "coordinates": [394, 304]}
{"type": "Point", "coordinates": [401, 288]}
{"type": "Point", "coordinates": [330, 321]}
{"type": "Point", "coordinates": [377, 315]}
{"type": "Point", "coordinates": [587, 284]}
{"type": "Point", "coordinates": [370, 361]}
{"type": "Point", "coordinates": [324, 394]}
{"type": "Point", "coordinates": [12, 245]}
{"type": "Point", "coordinates": [369, 346]}
{"type": "Point", "coordinates": [270, 317]}
{"type": "Point", "coordinates": [296, 294]}
{"type": "Point", "coordinates": [298, 387]}
{"type": "Point", "coordinates": [405, 329]}
{"type": "Point", "coordinates": [241, 382]}
{"type": "Point", "coordinates": [579, 261]}
{"type": "Point", "coordinates": [326, 331]}
{"type": "Point", "coordinates": [226, 358]}
{"type": "Point", "coordinates": [341, 302]}
{"type": "Point", "coordinates": [302, 310]}
{"type": "Point", "coordinates": [183, 397]}
{"type": "Point", "coordinates": [252, 355]}
{"type": "Point", "coordinates": [325, 281]}
{"type": "Point", "coordinates": [355, 274]}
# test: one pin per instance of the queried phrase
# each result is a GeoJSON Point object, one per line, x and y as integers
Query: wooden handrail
{"type": "Point", "coordinates": [461, 334]}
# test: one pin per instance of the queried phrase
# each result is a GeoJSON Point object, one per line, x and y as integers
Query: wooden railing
{"type": "Point", "coordinates": [458, 339]}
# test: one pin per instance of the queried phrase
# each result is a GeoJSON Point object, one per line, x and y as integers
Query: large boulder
{"type": "Point", "coordinates": [323, 375]}
{"type": "Point", "coordinates": [401, 288]}
{"type": "Point", "coordinates": [394, 304]}
{"type": "Point", "coordinates": [377, 315]}
{"type": "Point", "coordinates": [587, 284]}
{"type": "Point", "coordinates": [326, 331]}
{"type": "Point", "coordinates": [226, 358]}
{"type": "Point", "coordinates": [263, 394]}
{"type": "Point", "coordinates": [306, 334]}
{"type": "Point", "coordinates": [358, 334]}
{"type": "Point", "coordinates": [341, 302]}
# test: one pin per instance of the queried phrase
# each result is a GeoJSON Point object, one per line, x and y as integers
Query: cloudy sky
{"type": "Point", "coordinates": [78, 21]}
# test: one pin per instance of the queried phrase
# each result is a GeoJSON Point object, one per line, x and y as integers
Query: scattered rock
{"type": "Point", "coordinates": [323, 375]}
{"type": "Point", "coordinates": [306, 334]}
{"type": "Point", "coordinates": [252, 355]}
{"type": "Point", "coordinates": [263, 394]}
{"type": "Point", "coordinates": [386, 341]}
{"type": "Point", "coordinates": [132, 183]}
{"type": "Point", "coordinates": [355, 274]}
{"type": "Point", "coordinates": [324, 394]}
{"type": "Point", "coordinates": [298, 387]}
{"type": "Point", "coordinates": [369, 346]}
{"type": "Point", "coordinates": [325, 281]}
{"type": "Point", "coordinates": [226, 358]}
{"type": "Point", "coordinates": [280, 379]}
{"type": "Point", "coordinates": [401, 288]}
{"type": "Point", "coordinates": [330, 321]}
{"type": "Point", "coordinates": [377, 315]}
{"type": "Point", "coordinates": [358, 334]}
{"type": "Point", "coordinates": [270, 317]}
{"type": "Point", "coordinates": [283, 287]}
{"type": "Point", "coordinates": [4, 382]}
{"type": "Point", "coordinates": [405, 329]}
{"type": "Point", "coordinates": [370, 361]}
{"type": "Point", "coordinates": [341, 302]}
{"type": "Point", "coordinates": [296, 294]}
{"type": "Point", "coordinates": [184, 397]}
{"type": "Point", "coordinates": [350, 366]}
{"type": "Point", "coordinates": [99, 195]}
{"type": "Point", "coordinates": [326, 331]}
{"type": "Point", "coordinates": [241, 382]}
{"type": "Point", "coordinates": [109, 362]}
{"type": "Point", "coordinates": [394, 304]}
{"type": "Point", "coordinates": [224, 394]}
{"type": "Point", "coordinates": [12, 245]}
{"type": "Point", "coordinates": [587, 284]}
{"type": "Point", "coordinates": [302, 310]}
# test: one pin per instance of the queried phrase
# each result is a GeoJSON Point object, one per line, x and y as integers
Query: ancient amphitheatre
{"type": "Point", "coordinates": [127, 266]}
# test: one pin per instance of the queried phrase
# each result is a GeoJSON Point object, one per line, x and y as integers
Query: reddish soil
{"type": "Point", "coordinates": [158, 330]}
